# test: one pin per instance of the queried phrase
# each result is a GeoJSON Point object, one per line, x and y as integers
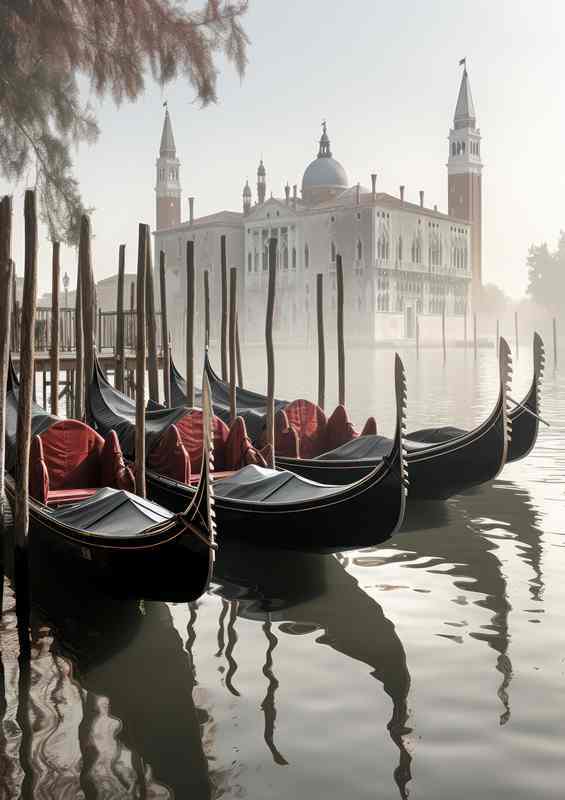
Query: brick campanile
{"type": "Point", "coordinates": [464, 169]}
{"type": "Point", "coordinates": [167, 188]}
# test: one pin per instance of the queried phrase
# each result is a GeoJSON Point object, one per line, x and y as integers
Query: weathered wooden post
{"type": "Point", "coordinates": [79, 351]}
{"type": "Point", "coordinates": [233, 323]}
{"type": "Point", "coordinates": [224, 310]}
{"type": "Point", "coordinates": [475, 342]}
{"type": "Point", "coordinates": [497, 334]}
{"type": "Point", "coordinates": [165, 331]}
{"type": "Point", "coordinates": [23, 429]}
{"type": "Point", "coordinates": [151, 321]}
{"type": "Point", "coordinates": [554, 343]}
{"type": "Point", "coordinates": [340, 336]}
{"type": "Point", "coordinates": [190, 324]}
{"type": "Point", "coordinates": [7, 278]}
{"type": "Point", "coordinates": [132, 323]}
{"type": "Point", "coordinates": [270, 422]}
{"type": "Point", "coordinates": [238, 354]}
{"type": "Point", "coordinates": [206, 309]}
{"type": "Point", "coordinates": [142, 254]}
{"type": "Point", "coordinates": [88, 302]}
{"type": "Point", "coordinates": [443, 338]}
{"type": "Point", "coordinates": [120, 322]}
{"type": "Point", "coordinates": [56, 282]}
{"type": "Point", "coordinates": [321, 342]}
{"type": "Point", "coordinates": [99, 339]}
{"type": "Point", "coordinates": [516, 334]}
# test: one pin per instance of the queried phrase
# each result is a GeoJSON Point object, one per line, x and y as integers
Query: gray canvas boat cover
{"type": "Point", "coordinates": [112, 512]}
{"type": "Point", "coordinates": [112, 410]}
{"type": "Point", "coordinates": [261, 485]}
{"type": "Point", "coordinates": [367, 448]}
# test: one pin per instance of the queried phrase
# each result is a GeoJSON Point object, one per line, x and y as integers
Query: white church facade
{"type": "Point", "coordinates": [404, 264]}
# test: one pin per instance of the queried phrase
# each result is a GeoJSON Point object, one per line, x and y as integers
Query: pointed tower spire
{"type": "Point", "coordinates": [464, 110]}
{"type": "Point", "coordinates": [247, 198]}
{"type": "Point", "coordinates": [167, 188]}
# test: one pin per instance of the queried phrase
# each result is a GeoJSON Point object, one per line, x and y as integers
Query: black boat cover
{"type": "Point", "coordinates": [436, 435]}
{"type": "Point", "coordinates": [250, 405]}
{"type": "Point", "coordinates": [40, 420]}
{"type": "Point", "coordinates": [112, 512]}
{"type": "Point", "coordinates": [112, 410]}
{"type": "Point", "coordinates": [368, 448]}
{"type": "Point", "coordinates": [261, 485]}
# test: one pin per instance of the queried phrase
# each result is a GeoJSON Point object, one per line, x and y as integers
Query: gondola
{"type": "Point", "coordinates": [436, 470]}
{"type": "Point", "coordinates": [112, 535]}
{"type": "Point", "coordinates": [278, 508]}
{"type": "Point", "coordinates": [524, 418]}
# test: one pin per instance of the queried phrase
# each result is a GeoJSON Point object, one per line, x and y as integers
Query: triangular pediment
{"type": "Point", "coordinates": [273, 207]}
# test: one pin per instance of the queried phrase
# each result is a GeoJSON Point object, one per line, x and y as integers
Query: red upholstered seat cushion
{"type": "Point", "coordinates": [113, 471]}
{"type": "Point", "coordinates": [169, 456]}
{"type": "Point", "coordinates": [60, 496]}
{"type": "Point", "coordinates": [238, 449]}
{"type": "Point", "coordinates": [309, 422]}
{"type": "Point", "coordinates": [286, 437]}
{"type": "Point", "coordinates": [190, 428]}
{"type": "Point", "coordinates": [339, 429]}
{"type": "Point", "coordinates": [71, 452]}
{"type": "Point", "coordinates": [370, 427]}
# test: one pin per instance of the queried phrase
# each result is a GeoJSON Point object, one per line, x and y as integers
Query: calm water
{"type": "Point", "coordinates": [432, 666]}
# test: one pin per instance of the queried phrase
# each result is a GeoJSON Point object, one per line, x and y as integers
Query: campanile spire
{"type": "Point", "coordinates": [167, 188]}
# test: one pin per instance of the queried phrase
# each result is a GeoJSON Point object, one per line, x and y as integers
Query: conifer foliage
{"type": "Point", "coordinates": [47, 45]}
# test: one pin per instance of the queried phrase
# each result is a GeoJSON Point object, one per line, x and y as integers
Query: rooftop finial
{"type": "Point", "coordinates": [324, 151]}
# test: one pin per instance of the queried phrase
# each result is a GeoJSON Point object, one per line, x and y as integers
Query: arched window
{"type": "Point", "coordinates": [249, 262]}
{"type": "Point", "coordinates": [400, 249]}
{"type": "Point", "coordinates": [359, 249]}
{"type": "Point", "coordinates": [306, 256]}
{"type": "Point", "coordinates": [332, 252]}
{"type": "Point", "coordinates": [462, 147]}
{"type": "Point", "coordinates": [294, 258]}
{"type": "Point", "coordinates": [458, 147]}
{"type": "Point", "coordinates": [453, 149]}
{"type": "Point", "coordinates": [285, 257]}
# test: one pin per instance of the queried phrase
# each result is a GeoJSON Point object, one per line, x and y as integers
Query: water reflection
{"type": "Point", "coordinates": [319, 596]}
{"type": "Point", "coordinates": [94, 713]}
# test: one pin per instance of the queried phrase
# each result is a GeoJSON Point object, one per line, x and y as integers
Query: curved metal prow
{"type": "Point", "coordinates": [401, 392]}
{"type": "Point", "coordinates": [505, 372]}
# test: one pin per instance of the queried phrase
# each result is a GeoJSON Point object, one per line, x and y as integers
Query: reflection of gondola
{"type": "Point", "coordinates": [98, 709]}
{"type": "Point", "coordinates": [436, 469]}
{"type": "Point", "coordinates": [281, 509]}
{"type": "Point", "coordinates": [322, 595]}
{"type": "Point", "coordinates": [110, 534]}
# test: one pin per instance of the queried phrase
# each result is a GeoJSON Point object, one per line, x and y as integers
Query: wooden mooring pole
{"type": "Point", "coordinates": [23, 429]}
{"type": "Point", "coordinates": [79, 351]}
{"type": "Point", "coordinates": [554, 343]}
{"type": "Point", "coordinates": [206, 309]}
{"type": "Point", "coordinates": [88, 302]}
{"type": "Point", "coordinates": [132, 335]}
{"type": "Point", "coordinates": [340, 336]}
{"type": "Point", "coordinates": [232, 344]}
{"type": "Point", "coordinates": [238, 354]}
{"type": "Point", "coordinates": [151, 321]}
{"type": "Point", "coordinates": [224, 310]}
{"type": "Point", "coordinates": [120, 322]}
{"type": "Point", "coordinates": [142, 254]}
{"type": "Point", "coordinates": [321, 342]}
{"type": "Point", "coordinates": [7, 278]}
{"type": "Point", "coordinates": [190, 324]}
{"type": "Point", "coordinates": [165, 331]}
{"type": "Point", "coordinates": [443, 337]}
{"type": "Point", "coordinates": [55, 286]}
{"type": "Point", "coordinates": [497, 335]}
{"type": "Point", "coordinates": [270, 437]}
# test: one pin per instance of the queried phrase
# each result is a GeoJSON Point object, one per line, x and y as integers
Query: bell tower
{"type": "Point", "coordinates": [167, 188]}
{"type": "Point", "coordinates": [261, 183]}
{"type": "Point", "coordinates": [464, 168]}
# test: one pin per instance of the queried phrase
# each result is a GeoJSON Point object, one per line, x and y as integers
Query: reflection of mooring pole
{"type": "Point", "coordinates": [268, 704]}
{"type": "Point", "coordinates": [232, 640]}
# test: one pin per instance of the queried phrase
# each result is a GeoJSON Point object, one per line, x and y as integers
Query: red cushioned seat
{"type": "Point", "coordinates": [309, 422]}
{"type": "Point", "coordinates": [339, 429]}
{"type": "Point", "coordinates": [70, 457]}
{"type": "Point", "coordinates": [190, 428]}
{"type": "Point", "coordinates": [370, 427]}
{"type": "Point", "coordinates": [169, 457]}
{"type": "Point", "coordinates": [286, 437]}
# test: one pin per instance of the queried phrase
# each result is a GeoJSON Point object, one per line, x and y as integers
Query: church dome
{"type": "Point", "coordinates": [325, 176]}
{"type": "Point", "coordinates": [324, 172]}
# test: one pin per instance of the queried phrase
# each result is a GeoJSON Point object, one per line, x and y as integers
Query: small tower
{"type": "Point", "coordinates": [464, 169]}
{"type": "Point", "coordinates": [247, 198]}
{"type": "Point", "coordinates": [167, 188]}
{"type": "Point", "coordinates": [261, 183]}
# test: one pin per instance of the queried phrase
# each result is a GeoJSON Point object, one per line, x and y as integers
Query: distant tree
{"type": "Point", "coordinates": [546, 274]}
{"type": "Point", "coordinates": [46, 45]}
{"type": "Point", "coordinates": [492, 299]}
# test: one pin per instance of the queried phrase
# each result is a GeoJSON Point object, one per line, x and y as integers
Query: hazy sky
{"type": "Point", "coordinates": [385, 75]}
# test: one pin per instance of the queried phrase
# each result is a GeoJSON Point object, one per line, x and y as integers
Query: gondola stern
{"type": "Point", "coordinates": [505, 369]}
